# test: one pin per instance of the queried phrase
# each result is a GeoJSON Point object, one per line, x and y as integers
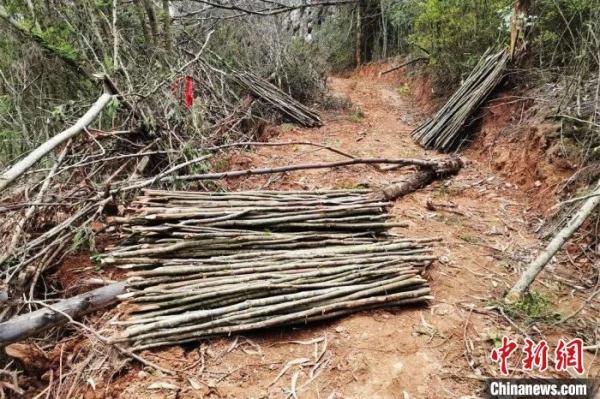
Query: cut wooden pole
{"type": "Point", "coordinates": [535, 267]}
{"type": "Point", "coordinates": [29, 324]}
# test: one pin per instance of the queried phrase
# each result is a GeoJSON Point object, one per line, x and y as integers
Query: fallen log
{"type": "Point", "coordinates": [422, 178]}
{"type": "Point", "coordinates": [30, 324]}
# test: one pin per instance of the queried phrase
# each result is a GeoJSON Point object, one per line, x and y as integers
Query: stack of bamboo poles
{"type": "Point", "coordinates": [190, 279]}
{"type": "Point", "coordinates": [164, 211]}
{"type": "Point", "coordinates": [444, 132]}
{"type": "Point", "coordinates": [279, 100]}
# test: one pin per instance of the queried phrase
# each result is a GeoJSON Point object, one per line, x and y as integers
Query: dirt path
{"type": "Point", "coordinates": [440, 351]}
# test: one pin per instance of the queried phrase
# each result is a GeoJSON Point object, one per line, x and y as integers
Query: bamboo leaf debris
{"type": "Point", "coordinates": [202, 264]}
{"type": "Point", "coordinates": [445, 131]}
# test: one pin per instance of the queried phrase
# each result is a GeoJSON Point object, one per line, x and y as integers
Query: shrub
{"type": "Point", "coordinates": [455, 33]}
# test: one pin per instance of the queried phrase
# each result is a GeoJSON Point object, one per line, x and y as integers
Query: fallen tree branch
{"type": "Point", "coordinates": [23, 165]}
{"type": "Point", "coordinates": [33, 323]}
{"type": "Point", "coordinates": [435, 165]}
{"type": "Point", "coordinates": [535, 267]}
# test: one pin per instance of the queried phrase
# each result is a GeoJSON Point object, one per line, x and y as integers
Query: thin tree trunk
{"type": "Point", "coordinates": [115, 33]}
{"type": "Point", "coordinates": [166, 17]}
{"type": "Point", "coordinates": [151, 19]}
{"type": "Point", "coordinates": [23, 165]}
{"type": "Point", "coordinates": [140, 13]}
{"type": "Point", "coordinates": [94, 28]}
{"type": "Point", "coordinates": [555, 244]}
{"type": "Point", "coordinates": [383, 30]}
{"type": "Point", "coordinates": [358, 44]}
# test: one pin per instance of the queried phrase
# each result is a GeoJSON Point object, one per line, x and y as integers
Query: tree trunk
{"type": "Point", "coordinates": [555, 244]}
{"type": "Point", "coordinates": [521, 9]}
{"type": "Point", "coordinates": [166, 17]}
{"type": "Point", "coordinates": [384, 45]}
{"type": "Point", "coordinates": [422, 178]}
{"type": "Point", "coordinates": [140, 14]}
{"type": "Point", "coordinates": [29, 324]}
{"type": "Point", "coordinates": [151, 19]}
{"type": "Point", "coordinates": [358, 44]}
{"type": "Point", "coordinates": [115, 34]}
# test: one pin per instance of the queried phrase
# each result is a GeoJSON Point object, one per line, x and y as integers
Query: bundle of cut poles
{"type": "Point", "coordinates": [282, 258]}
{"type": "Point", "coordinates": [445, 131]}
{"type": "Point", "coordinates": [286, 104]}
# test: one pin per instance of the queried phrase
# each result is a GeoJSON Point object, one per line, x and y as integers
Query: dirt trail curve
{"type": "Point", "coordinates": [440, 351]}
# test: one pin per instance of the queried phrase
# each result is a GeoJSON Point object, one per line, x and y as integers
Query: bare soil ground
{"type": "Point", "coordinates": [436, 351]}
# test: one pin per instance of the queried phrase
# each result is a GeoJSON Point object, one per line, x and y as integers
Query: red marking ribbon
{"type": "Point", "coordinates": [188, 98]}
{"type": "Point", "coordinates": [189, 92]}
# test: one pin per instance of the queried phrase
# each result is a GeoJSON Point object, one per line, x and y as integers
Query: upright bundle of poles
{"type": "Point", "coordinates": [444, 132]}
{"type": "Point", "coordinates": [204, 264]}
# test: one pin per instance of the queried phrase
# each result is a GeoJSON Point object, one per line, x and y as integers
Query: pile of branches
{"type": "Point", "coordinates": [446, 130]}
{"type": "Point", "coordinates": [203, 264]}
